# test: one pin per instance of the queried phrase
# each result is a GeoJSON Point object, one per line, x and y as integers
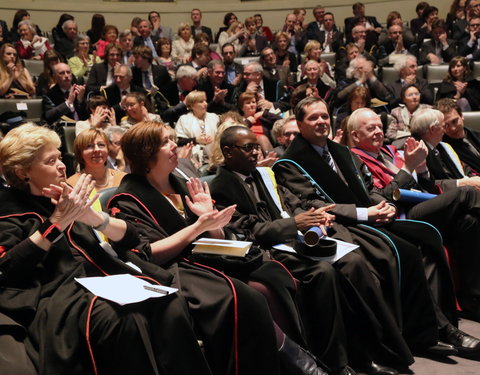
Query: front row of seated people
{"type": "Point", "coordinates": [371, 309]}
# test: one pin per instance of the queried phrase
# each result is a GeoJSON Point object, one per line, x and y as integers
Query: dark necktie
{"type": "Point", "coordinates": [387, 163]}
{"type": "Point", "coordinates": [328, 159]}
{"type": "Point", "coordinates": [146, 80]}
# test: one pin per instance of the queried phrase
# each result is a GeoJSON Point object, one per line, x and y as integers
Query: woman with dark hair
{"type": "Point", "coordinates": [456, 13]}
{"type": "Point", "coordinates": [91, 153]}
{"type": "Point", "coordinates": [228, 19]}
{"type": "Point", "coordinates": [46, 80]}
{"type": "Point", "coordinates": [49, 235]}
{"type": "Point", "coordinates": [96, 29]}
{"type": "Point", "coordinates": [14, 77]}
{"type": "Point", "coordinates": [416, 23]}
{"type": "Point", "coordinates": [401, 116]}
{"type": "Point", "coordinates": [460, 85]}
{"type": "Point", "coordinates": [101, 115]}
{"type": "Point", "coordinates": [359, 97]}
{"type": "Point", "coordinates": [21, 15]}
{"type": "Point", "coordinates": [429, 15]}
{"type": "Point", "coordinates": [164, 52]}
{"type": "Point", "coordinates": [109, 36]}
{"type": "Point", "coordinates": [57, 32]}
{"type": "Point", "coordinates": [172, 213]}
{"type": "Point", "coordinates": [202, 38]}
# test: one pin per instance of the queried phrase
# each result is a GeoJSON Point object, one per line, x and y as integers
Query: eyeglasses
{"type": "Point", "coordinates": [474, 25]}
{"type": "Point", "coordinates": [412, 94]}
{"type": "Point", "coordinates": [249, 147]}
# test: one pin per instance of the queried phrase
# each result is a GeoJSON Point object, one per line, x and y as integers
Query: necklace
{"type": "Point", "coordinates": [106, 183]}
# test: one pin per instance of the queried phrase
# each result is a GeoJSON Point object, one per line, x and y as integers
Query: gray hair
{"type": "Point", "coordinates": [279, 126]}
{"type": "Point", "coordinates": [186, 71]}
{"type": "Point", "coordinates": [111, 130]}
{"type": "Point", "coordinates": [124, 33]}
{"type": "Point", "coordinates": [353, 64]}
{"type": "Point", "coordinates": [402, 60]}
{"type": "Point", "coordinates": [66, 23]}
{"type": "Point", "coordinates": [213, 63]}
{"type": "Point", "coordinates": [423, 119]}
{"type": "Point", "coordinates": [124, 66]}
{"type": "Point", "coordinates": [354, 118]}
{"type": "Point", "coordinates": [29, 24]}
{"type": "Point", "coordinates": [257, 67]}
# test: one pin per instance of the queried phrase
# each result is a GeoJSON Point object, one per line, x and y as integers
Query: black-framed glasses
{"type": "Point", "coordinates": [249, 147]}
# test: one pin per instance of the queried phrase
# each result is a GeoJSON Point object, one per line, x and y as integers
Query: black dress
{"type": "Point", "coordinates": [213, 296]}
{"type": "Point", "coordinates": [69, 330]}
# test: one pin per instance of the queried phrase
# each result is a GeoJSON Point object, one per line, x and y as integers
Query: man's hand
{"type": "Point", "coordinates": [415, 153]}
{"type": "Point", "coordinates": [381, 213]}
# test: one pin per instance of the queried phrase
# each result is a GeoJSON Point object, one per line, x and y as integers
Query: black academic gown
{"type": "Point", "coordinates": [396, 261]}
{"type": "Point", "coordinates": [64, 321]}
{"type": "Point", "coordinates": [463, 150]}
{"type": "Point", "coordinates": [208, 291]}
{"type": "Point", "coordinates": [371, 329]}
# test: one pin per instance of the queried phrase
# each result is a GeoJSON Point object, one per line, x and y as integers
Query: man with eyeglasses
{"type": "Point", "coordinates": [218, 91]}
{"type": "Point", "coordinates": [455, 212]}
{"type": "Point", "coordinates": [272, 70]}
{"type": "Point", "coordinates": [469, 45]}
{"type": "Point", "coordinates": [284, 132]}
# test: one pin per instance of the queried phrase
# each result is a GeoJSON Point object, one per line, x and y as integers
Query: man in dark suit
{"type": "Point", "coordinates": [393, 46]}
{"type": "Point", "coordinates": [65, 46]}
{"type": "Point", "coordinates": [65, 98]}
{"type": "Point", "coordinates": [259, 219]}
{"type": "Point", "coordinates": [146, 38]}
{"type": "Point", "coordinates": [145, 74]}
{"type": "Point", "coordinates": [464, 141]}
{"type": "Point", "coordinates": [455, 213]}
{"type": "Point", "coordinates": [101, 74]}
{"type": "Point", "coordinates": [272, 70]}
{"type": "Point", "coordinates": [335, 175]}
{"type": "Point", "coordinates": [197, 27]}
{"type": "Point", "coordinates": [469, 43]}
{"type": "Point", "coordinates": [439, 49]}
{"type": "Point", "coordinates": [359, 12]}
{"type": "Point", "coordinates": [407, 66]}
{"type": "Point", "coordinates": [122, 86]}
{"type": "Point", "coordinates": [315, 28]}
{"type": "Point", "coordinates": [270, 92]}
{"type": "Point", "coordinates": [255, 42]}
{"type": "Point", "coordinates": [233, 70]}
{"type": "Point", "coordinates": [218, 91]}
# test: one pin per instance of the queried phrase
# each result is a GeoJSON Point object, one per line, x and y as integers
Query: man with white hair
{"type": "Point", "coordinates": [269, 91]}
{"type": "Point", "coordinates": [455, 213]}
{"type": "Point", "coordinates": [360, 73]}
{"type": "Point", "coordinates": [66, 46]}
{"type": "Point", "coordinates": [407, 68]}
{"type": "Point", "coordinates": [284, 132]}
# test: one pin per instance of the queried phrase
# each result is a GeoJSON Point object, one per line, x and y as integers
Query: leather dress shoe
{"type": "Point", "coordinates": [295, 360]}
{"type": "Point", "coordinates": [347, 370]}
{"type": "Point", "coordinates": [465, 344]}
{"type": "Point", "coordinates": [375, 369]}
{"type": "Point", "coordinates": [440, 349]}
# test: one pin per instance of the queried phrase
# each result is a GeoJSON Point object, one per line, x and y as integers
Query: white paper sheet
{"type": "Point", "coordinates": [343, 248]}
{"type": "Point", "coordinates": [124, 289]}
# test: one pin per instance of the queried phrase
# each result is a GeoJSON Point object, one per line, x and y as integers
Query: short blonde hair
{"type": "Point", "coordinates": [311, 44]}
{"type": "Point", "coordinates": [183, 26]}
{"type": "Point", "coordinates": [20, 147]}
{"type": "Point", "coordinates": [195, 97]}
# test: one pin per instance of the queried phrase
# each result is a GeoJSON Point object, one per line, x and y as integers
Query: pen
{"type": "Point", "coordinates": [155, 289]}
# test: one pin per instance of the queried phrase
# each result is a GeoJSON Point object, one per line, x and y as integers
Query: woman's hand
{"type": "Point", "coordinates": [185, 152]}
{"type": "Point", "coordinates": [199, 200]}
{"type": "Point", "coordinates": [215, 220]}
{"type": "Point", "coordinates": [74, 203]}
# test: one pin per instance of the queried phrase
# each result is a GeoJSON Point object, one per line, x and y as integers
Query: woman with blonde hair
{"type": "Point", "coordinates": [236, 35]}
{"type": "Point", "coordinates": [313, 51]}
{"type": "Point", "coordinates": [182, 47]}
{"type": "Point", "coordinates": [14, 77]}
{"type": "Point", "coordinates": [49, 237]}
{"type": "Point", "coordinates": [197, 126]}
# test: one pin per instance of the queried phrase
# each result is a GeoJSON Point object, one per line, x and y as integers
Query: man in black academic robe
{"type": "Point", "coordinates": [341, 181]}
{"type": "Point", "coordinates": [259, 219]}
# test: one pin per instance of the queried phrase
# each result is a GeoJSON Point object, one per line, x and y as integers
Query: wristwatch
{"type": "Point", "coordinates": [50, 231]}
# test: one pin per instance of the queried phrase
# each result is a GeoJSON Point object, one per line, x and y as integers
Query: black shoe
{"type": "Point", "coordinates": [297, 361]}
{"type": "Point", "coordinates": [440, 349]}
{"type": "Point", "coordinates": [376, 369]}
{"type": "Point", "coordinates": [347, 370]}
{"type": "Point", "coordinates": [465, 344]}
